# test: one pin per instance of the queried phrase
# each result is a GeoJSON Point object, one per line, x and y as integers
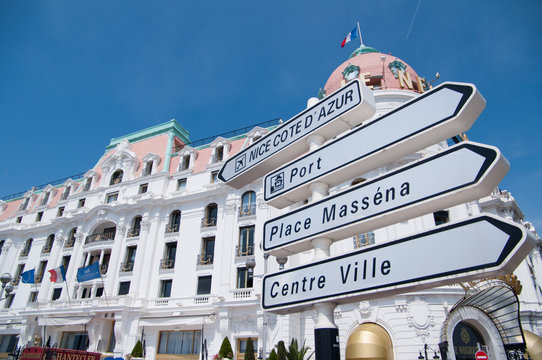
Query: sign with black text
{"type": "Point", "coordinates": [461, 173]}
{"type": "Point", "coordinates": [443, 112]}
{"type": "Point", "coordinates": [475, 248]}
{"type": "Point", "coordinates": [340, 111]}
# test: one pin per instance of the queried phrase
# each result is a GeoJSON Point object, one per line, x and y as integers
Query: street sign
{"type": "Point", "coordinates": [480, 355]}
{"type": "Point", "coordinates": [461, 173]}
{"type": "Point", "coordinates": [340, 111]}
{"type": "Point", "coordinates": [441, 113]}
{"type": "Point", "coordinates": [474, 248]}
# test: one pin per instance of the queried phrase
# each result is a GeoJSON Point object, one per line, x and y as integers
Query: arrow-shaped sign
{"type": "Point", "coordinates": [443, 112]}
{"type": "Point", "coordinates": [475, 248]}
{"type": "Point", "coordinates": [348, 106]}
{"type": "Point", "coordinates": [461, 173]}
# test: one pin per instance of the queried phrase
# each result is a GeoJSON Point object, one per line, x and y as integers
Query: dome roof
{"type": "Point", "coordinates": [382, 74]}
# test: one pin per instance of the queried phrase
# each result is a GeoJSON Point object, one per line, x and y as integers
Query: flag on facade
{"type": "Point", "coordinates": [88, 273]}
{"type": "Point", "coordinates": [28, 277]}
{"type": "Point", "coordinates": [58, 274]}
{"type": "Point", "coordinates": [352, 35]}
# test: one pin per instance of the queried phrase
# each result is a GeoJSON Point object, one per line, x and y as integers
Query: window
{"type": "Point", "coordinates": [165, 288]}
{"type": "Point", "coordinates": [174, 222]}
{"type": "Point", "coordinates": [244, 278]}
{"type": "Point", "coordinates": [9, 300]}
{"type": "Point", "coordinates": [85, 293]}
{"type": "Point", "coordinates": [39, 216]}
{"type": "Point", "coordinates": [33, 297]}
{"type": "Point", "coordinates": [242, 347]}
{"type": "Point", "coordinates": [71, 238]}
{"type": "Point", "coordinates": [128, 264]}
{"type": "Point", "coordinates": [214, 177]}
{"type": "Point", "coordinates": [168, 262]}
{"type": "Point", "coordinates": [66, 193]}
{"type": "Point", "coordinates": [41, 271]}
{"type": "Point", "coordinates": [116, 178]}
{"type": "Point", "coordinates": [204, 285]}
{"type": "Point", "coordinates": [147, 170]}
{"type": "Point", "coordinates": [66, 262]}
{"type": "Point", "coordinates": [248, 204]}
{"type": "Point", "coordinates": [25, 204]}
{"type": "Point", "coordinates": [218, 154]}
{"type": "Point", "coordinates": [8, 343]}
{"type": "Point", "coordinates": [441, 217]}
{"type": "Point", "coordinates": [124, 288]}
{"type": "Point", "coordinates": [143, 188]}
{"type": "Point", "coordinates": [45, 199]}
{"type": "Point", "coordinates": [99, 291]}
{"type": "Point", "coordinates": [88, 184]}
{"type": "Point", "coordinates": [60, 212]}
{"type": "Point", "coordinates": [185, 162]}
{"type": "Point", "coordinates": [56, 293]}
{"type": "Point", "coordinates": [2, 245]}
{"type": "Point", "coordinates": [136, 227]}
{"type": "Point", "coordinates": [179, 342]}
{"type": "Point", "coordinates": [111, 197]}
{"type": "Point", "coordinates": [74, 340]}
{"type": "Point", "coordinates": [246, 241]}
{"type": "Point", "coordinates": [81, 203]}
{"type": "Point", "coordinates": [18, 272]}
{"type": "Point", "coordinates": [19, 219]}
{"type": "Point", "coordinates": [207, 251]}
{"type": "Point", "coordinates": [105, 263]}
{"type": "Point", "coordinates": [48, 244]}
{"type": "Point", "coordinates": [27, 247]}
{"type": "Point", "coordinates": [211, 214]}
{"type": "Point", "coordinates": [181, 184]}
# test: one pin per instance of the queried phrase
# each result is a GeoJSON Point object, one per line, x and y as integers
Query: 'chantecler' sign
{"type": "Point", "coordinates": [338, 112]}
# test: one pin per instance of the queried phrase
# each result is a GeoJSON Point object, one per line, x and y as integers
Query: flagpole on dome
{"type": "Point", "coordinates": [359, 32]}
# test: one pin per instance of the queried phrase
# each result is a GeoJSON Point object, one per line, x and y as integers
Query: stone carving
{"type": "Point", "coordinates": [365, 309]}
{"type": "Point", "coordinates": [420, 317]}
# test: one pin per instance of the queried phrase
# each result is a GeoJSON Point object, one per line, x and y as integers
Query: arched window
{"type": "Point", "coordinates": [27, 247]}
{"type": "Point", "coordinates": [136, 227]}
{"type": "Point", "coordinates": [116, 178]}
{"type": "Point", "coordinates": [211, 214]}
{"type": "Point", "coordinates": [48, 244]}
{"type": "Point", "coordinates": [248, 204]}
{"type": "Point", "coordinates": [2, 246]}
{"type": "Point", "coordinates": [174, 222]}
{"type": "Point", "coordinates": [71, 238]}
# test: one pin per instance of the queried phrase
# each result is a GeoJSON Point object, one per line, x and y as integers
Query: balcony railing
{"type": "Point", "coordinates": [172, 228]}
{"type": "Point", "coordinates": [242, 293]}
{"type": "Point", "coordinates": [204, 259]}
{"type": "Point", "coordinates": [38, 278]}
{"type": "Point", "coordinates": [69, 243]}
{"type": "Point", "coordinates": [103, 269]}
{"type": "Point", "coordinates": [208, 222]}
{"type": "Point", "coordinates": [15, 280]}
{"type": "Point", "coordinates": [126, 267]}
{"type": "Point", "coordinates": [100, 237]}
{"type": "Point", "coordinates": [133, 232]}
{"type": "Point", "coordinates": [244, 250]}
{"type": "Point", "coordinates": [167, 263]}
{"type": "Point", "coordinates": [247, 210]}
{"type": "Point", "coordinates": [25, 252]}
{"type": "Point", "coordinates": [201, 299]}
{"type": "Point", "coordinates": [46, 249]}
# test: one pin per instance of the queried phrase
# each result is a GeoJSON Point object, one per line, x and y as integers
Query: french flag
{"type": "Point", "coordinates": [352, 35]}
{"type": "Point", "coordinates": [58, 274]}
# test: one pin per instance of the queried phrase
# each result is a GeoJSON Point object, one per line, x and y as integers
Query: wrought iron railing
{"type": "Point", "coordinates": [25, 252]}
{"type": "Point", "coordinates": [126, 267]}
{"type": "Point", "coordinates": [244, 250]}
{"type": "Point", "coordinates": [38, 278]}
{"type": "Point", "coordinates": [100, 237]}
{"type": "Point", "coordinates": [172, 228]}
{"type": "Point", "coordinates": [247, 210]}
{"type": "Point", "coordinates": [15, 280]}
{"type": "Point", "coordinates": [46, 249]}
{"type": "Point", "coordinates": [167, 263]}
{"type": "Point", "coordinates": [204, 259]}
{"type": "Point", "coordinates": [133, 232]}
{"type": "Point", "coordinates": [208, 222]}
{"type": "Point", "coordinates": [69, 243]}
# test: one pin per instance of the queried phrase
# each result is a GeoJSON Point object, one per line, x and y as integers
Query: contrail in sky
{"type": "Point", "coordinates": [413, 18]}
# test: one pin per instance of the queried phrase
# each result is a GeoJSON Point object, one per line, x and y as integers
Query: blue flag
{"type": "Point", "coordinates": [88, 273]}
{"type": "Point", "coordinates": [28, 277]}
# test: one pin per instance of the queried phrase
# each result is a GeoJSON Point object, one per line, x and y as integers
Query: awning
{"type": "Point", "coordinates": [63, 320]}
{"type": "Point", "coordinates": [171, 320]}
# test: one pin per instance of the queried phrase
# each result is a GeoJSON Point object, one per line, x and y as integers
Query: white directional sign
{"type": "Point", "coordinates": [445, 111]}
{"type": "Point", "coordinates": [461, 173]}
{"type": "Point", "coordinates": [338, 112]}
{"type": "Point", "coordinates": [479, 247]}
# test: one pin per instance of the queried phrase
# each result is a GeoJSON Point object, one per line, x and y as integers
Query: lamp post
{"type": "Point", "coordinates": [425, 347]}
{"type": "Point", "coordinates": [5, 279]}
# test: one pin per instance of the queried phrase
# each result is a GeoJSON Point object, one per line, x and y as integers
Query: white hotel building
{"type": "Point", "coordinates": [173, 242]}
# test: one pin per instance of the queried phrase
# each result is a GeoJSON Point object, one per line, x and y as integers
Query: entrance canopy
{"type": "Point", "coordinates": [63, 320]}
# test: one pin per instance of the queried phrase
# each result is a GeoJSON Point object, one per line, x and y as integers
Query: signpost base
{"type": "Point", "coordinates": [327, 344]}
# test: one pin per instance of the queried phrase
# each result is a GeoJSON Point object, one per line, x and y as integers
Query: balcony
{"type": "Point", "coordinates": [172, 228]}
{"type": "Point", "coordinates": [126, 267]}
{"type": "Point", "coordinates": [208, 222]}
{"type": "Point", "coordinates": [133, 232]}
{"type": "Point", "coordinates": [167, 263]}
{"type": "Point", "coordinates": [204, 260]}
{"type": "Point", "coordinates": [100, 237]}
{"type": "Point", "coordinates": [243, 293]}
{"type": "Point", "coordinates": [69, 243]}
{"type": "Point", "coordinates": [247, 210]}
{"type": "Point", "coordinates": [46, 249]}
{"type": "Point", "coordinates": [245, 250]}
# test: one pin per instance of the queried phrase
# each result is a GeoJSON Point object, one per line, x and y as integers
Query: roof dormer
{"type": "Point", "coordinates": [256, 133]}
{"type": "Point", "coordinates": [187, 158]}
{"type": "Point", "coordinates": [28, 197]}
{"type": "Point", "coordinates": [47, 194]}
{"type": "Point", "coordinates": [122, 159]}
{"type": "Point", "coordinates": [90, 179]}
{"type": "Point", "coordinates": [219, 150]}
{"type": "Point", "coordinates": [150, 164]}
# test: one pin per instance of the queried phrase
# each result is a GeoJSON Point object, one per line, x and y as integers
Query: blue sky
{"type": "Point", "coordinates": [74, 74]}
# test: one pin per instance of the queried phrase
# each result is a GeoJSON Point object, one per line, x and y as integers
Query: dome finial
{"type": "Point", "coordinates": [363, 50]}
